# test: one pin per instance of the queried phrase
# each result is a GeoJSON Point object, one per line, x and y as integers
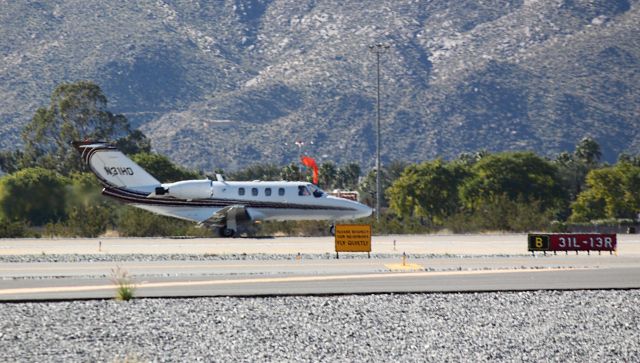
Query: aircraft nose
{"type": "Point", "coordinates": [363, 211]}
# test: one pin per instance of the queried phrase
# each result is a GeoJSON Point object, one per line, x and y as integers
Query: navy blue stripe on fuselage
{"type": "Point", "coordinates": [134, 197]}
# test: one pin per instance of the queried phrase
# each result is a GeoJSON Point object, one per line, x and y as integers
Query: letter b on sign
{"type": "Point", "coordinates": [538, 242]}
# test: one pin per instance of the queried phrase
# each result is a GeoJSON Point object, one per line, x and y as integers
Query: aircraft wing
{"type": "Point", "coordinates": [226, 216]}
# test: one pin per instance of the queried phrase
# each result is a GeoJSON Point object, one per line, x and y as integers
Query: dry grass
{"type": "Point", "coordinates": [124, 284]}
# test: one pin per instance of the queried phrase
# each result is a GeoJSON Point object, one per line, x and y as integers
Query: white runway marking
{"type": "Point", "coordinates": [149, 285]}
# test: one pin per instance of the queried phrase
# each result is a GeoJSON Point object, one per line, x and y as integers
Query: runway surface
{"type": "Point", "coordinates": [444, 263]}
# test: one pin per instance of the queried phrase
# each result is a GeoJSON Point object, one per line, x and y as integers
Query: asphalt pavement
{"type": "Point", "coordinates": [278, 268]}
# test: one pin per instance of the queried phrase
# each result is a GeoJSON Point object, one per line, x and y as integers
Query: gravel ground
{"type": "Point", "coordinates": [574, 326]}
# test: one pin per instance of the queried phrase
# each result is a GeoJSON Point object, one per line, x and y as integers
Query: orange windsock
{"type": "Point", "coordinates": [310, 163]}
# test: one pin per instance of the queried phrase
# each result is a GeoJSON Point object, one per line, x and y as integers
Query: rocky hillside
{"type": "Point", "coordinates": [230, 83]}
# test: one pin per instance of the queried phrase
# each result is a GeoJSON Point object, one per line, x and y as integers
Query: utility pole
{"type": "Point", "coordinates": [378, 49]}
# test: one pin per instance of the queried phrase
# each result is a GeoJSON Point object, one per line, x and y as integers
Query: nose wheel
{"type": "Point", "coordinates": [332, 230]}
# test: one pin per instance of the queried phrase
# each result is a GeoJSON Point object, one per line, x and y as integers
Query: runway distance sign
{"type": "Point", "coordinates": [572, 242]}
{"type": "Point", "coordinates": [353, 238]}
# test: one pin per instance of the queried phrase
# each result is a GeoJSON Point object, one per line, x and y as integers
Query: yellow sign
{"type": "Point", "coordinates": [353, 238]}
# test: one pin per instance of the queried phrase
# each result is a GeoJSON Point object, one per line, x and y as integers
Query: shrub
{"type": "Point", "coordinates": [36, 195]}
{"type": "Point", "coordinates": [124, 285]}
{"type": "Point", "coordinates": [293, 228]}
{"type": "Point", "coordinates": [134, 222]}
{"type": "Point", "coordinates": [501, 214]}
{"type": "Point", "coordinates": [17, 229]}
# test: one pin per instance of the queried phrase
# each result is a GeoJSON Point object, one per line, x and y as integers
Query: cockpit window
{"type": "Point", "coordinates": [317, 192]}
{"type": "Point", "coordinates": [303, 191]}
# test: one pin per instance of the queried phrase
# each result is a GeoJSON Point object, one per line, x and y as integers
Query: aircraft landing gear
{"type": "Point", "coordinates": [227, 232]}
{"type": "Point", "coordinates": [231, 228]}
{"type": "Point", "coordinates": [332, 230]}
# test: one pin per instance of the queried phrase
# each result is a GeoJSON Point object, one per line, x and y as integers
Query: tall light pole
{"type": "Point", "coordinates": [378, 50]}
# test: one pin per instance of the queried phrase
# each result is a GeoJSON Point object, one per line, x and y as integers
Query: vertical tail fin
{"type": "Point", "coordinates": [113, 168]}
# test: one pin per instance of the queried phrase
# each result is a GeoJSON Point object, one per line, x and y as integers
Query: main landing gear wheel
{"type": "Point", "coordinates": [227, 232]}
{"type": "Point", "coordinates": [332, 230]}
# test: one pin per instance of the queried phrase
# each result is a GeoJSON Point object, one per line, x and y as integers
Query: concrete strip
{"type": "Point", "coordinates": [478, 244]}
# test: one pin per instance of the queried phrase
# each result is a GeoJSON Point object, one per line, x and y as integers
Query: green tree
{"type": "Point", "coordinates": [574, 167]}
{"type": "Point", "coordinates": [469, 159]}
{"type": "Point", "coordinates": [327, 175]}
{"type": "Point", "coordinates": [588, 151]}
{"type": "Point", "coordinates": [572, 172]}
{"type": "Point", "coordinates": [256, 172]}
{"type": "Point", "coordinates": [587, 207]}
{"type": "Point", "coordinates": [612, 192]}
{"type": "Point", "coordinates": [291, 172]}
{"type": "Point", "coordinates": [89, 213]}
{"type": "Point", "coordinates": [520, 176]}
{"type": "Point", "coordinates": [162, 168]}
{"type": "Point", "coordinates": [13, 229]}
{"type": "Point", "coordinates": [77, 111]}
{"type": "Point", "coordinates": [429, 189]}
{"type": "Point", "coordinates": [388, 175]}
{"type": "Point", "coordinates": [501, 214]}
{"type": "Point", "coordinates": [348, 176]}
{"type": "Point", "coordinates": [36, 195]}
{"type": "Point", "coordinates": [10, 161]}
{"type": "Point", "coordinates": [133, 222]}
{"type": "Point", "coordinates": [629, 159]}
{"type": "Point", "coordinates": [134, 143]}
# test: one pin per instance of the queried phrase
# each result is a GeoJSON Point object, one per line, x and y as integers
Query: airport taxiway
{"type": "Point", "coordinates": [273, 267]}
{"type": "Point", "coordinates": [476, 244]}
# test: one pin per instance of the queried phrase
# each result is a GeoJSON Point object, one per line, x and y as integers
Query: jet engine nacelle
{"type": "Point", "coordinates": [188, 189]}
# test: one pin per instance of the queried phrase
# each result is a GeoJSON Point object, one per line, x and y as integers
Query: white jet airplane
{"type": "Point", "coordinates": [217, 204]}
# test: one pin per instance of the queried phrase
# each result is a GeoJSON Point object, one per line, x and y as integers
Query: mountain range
{"type": "Point", "coordinates": [229, 83]}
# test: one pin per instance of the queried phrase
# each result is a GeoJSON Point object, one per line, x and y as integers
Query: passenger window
{"type": "Point", "coordinates": [281, 192]}
{"type": "Point", "coordinates": [241, 191]}
{"type": "Point", "coordinates": [254, 191]}
{"type": "Point", "coordinates": [267, 192]}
